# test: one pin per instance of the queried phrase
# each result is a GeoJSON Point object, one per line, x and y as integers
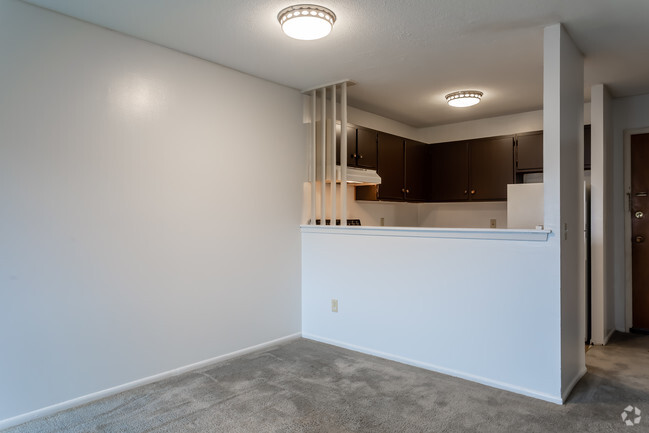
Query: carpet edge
{"type": "Point", "coordinates": [450, 372]}
{"type": "Point", "coordinates": [78, 401]}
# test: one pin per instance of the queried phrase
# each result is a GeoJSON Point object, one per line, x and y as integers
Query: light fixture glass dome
{"type": "Point", "coordinates": [464, 98]}
{"type": "Point", "coordinates": [306, 22]}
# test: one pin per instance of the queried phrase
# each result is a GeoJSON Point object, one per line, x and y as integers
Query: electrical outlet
{"type": "Point", "coordinates": [334, 305]}
{"type": "Point", "coordinates": [492, 223]}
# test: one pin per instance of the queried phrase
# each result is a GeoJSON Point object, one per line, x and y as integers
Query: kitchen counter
{"type": "Point", "coordinates": [433, 232]}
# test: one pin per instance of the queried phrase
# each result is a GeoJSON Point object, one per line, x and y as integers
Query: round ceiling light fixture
{"type": "Point", "coordinates": [306, 22]}
{"type": "Point", "coordinates": [464, 98]}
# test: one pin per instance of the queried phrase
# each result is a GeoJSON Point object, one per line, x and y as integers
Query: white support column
{"type": "Point", "coordinates": [563, 166]}
{"type": "Point", "coordinates": [343, 154]}
{"type": "Point", "coordinates": [602, 302]}
{"type": "Point", "coordinates": [332, 151]}
{"type": "Point", "coordinates": [323, 155]}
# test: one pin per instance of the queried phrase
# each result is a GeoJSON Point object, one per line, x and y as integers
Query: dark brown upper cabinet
{"type": "Point", "coordinates": [529, 152]}
{"type": "Point", "coordinates": [491, 167]}
{"type": "Point", "coordinates": [472, 170]}
{"type": "Point", "coordinates": [361, 147]}
{"type": "Point", "coordinates": [449, 171]}
{"type": "Point", "coordinates": [403, 167]}
{"type": "Point", "coordinates": [416, 156]}
{"type": "Point", "coordinates": [366, 148]}
{"type": "Point", "coordinates": [391, 167]}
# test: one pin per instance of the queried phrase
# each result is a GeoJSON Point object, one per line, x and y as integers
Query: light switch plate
{"type": "Point", "coordinates": [334, 305]}
{"type": "Point", "coordinates": [492, 223]}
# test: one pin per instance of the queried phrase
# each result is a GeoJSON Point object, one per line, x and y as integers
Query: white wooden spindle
{"type": "Point", "coordinates": [332, 152]}
{"type": "Point", "coordinates": [323, 154]}
{"type": "Point", "coordinates": [313, 179]}
{"type": "Point", "coordinates": [343, 154]}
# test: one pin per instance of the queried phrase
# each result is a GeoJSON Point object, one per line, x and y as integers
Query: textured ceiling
{"type": "Point", "coordinates": [405, 55]}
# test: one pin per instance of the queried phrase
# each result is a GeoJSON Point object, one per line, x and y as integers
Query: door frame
{"type": "Point", "coordinates": [628, 280]}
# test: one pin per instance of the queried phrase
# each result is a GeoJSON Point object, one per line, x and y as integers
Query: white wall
{"type": "Point", "coordinates": [450, 305]}
{"type": "Point", "coordinates": [377, 213]}
{"type": "Point", "coordinates": [469, 214]}
{"type": "Point", "coordinates": [490, 127]}
{"type": "Point", "coordinates": [563, 159]}
{"type": "Point", "coordinates": [629, 114]}
{"type": "Point", "coordinates": [370, 120]}
{"type": "Point", "coordinates": [130, 241]}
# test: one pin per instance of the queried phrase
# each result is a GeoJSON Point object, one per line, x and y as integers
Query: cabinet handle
{"type": "Point", "coordinates": [466, 192]}
{"type": "Point", "coordinates": [360, 156]}
{"type": "Point", "coordinates": [472, 191]}
{"type": "Point", "coordinates": [407, 191]}
{"type": "Point", "coordinates": [353, 155]}
{"type": "Point", "coordinates": [403, 190]}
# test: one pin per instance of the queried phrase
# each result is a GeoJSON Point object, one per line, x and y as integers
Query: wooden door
{"type": "Point", "coordinates": [390, 167]}
{"type": "Point", "coordinates": [449, 177]}
{"type": "Point", "coordinates": [416, 168]}
{"type": "Point", "coordinates": [586, 147]}
{"type": "Point", "coordinates": [640, 229]}
{"type": "Point", "coordinates": [366, 148]}
{"type": "Point", "coordinates": [491, 168]}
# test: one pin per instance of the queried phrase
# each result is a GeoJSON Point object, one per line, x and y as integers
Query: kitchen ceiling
{"type": "Point", "coordinates": [404, 55]}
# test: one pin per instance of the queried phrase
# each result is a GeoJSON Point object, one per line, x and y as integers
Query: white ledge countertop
{"type": "Point", "coordinates": [432, 232]}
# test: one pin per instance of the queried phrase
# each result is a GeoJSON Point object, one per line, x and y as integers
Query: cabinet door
{"type": "Point", "coordinates": [366, 148]}
{"type": "Point", "coordinates": [416, 168]}
{"type": "Point", "coordinates": [529, 151]}
{"type": "Point", "coordinates": [351, 144]}
{"type": "Point", "coordinates": [390, 167]}
{"type": "Point", "coordinates": [449, 176]}
{"type": "Point", "coordinates": [491, 168]}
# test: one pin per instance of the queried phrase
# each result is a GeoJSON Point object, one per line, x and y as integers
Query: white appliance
{"type": "Point", "coordinates": [524, 205]}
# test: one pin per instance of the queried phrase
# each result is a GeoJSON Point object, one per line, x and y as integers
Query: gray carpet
{"type": "Point", "coordinates": [304, 386]}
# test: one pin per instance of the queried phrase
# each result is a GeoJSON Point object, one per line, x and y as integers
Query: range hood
{"type": "Point", "coordinates": [355, 176]}
{"type": "Point", "coordinates": [359, 176]}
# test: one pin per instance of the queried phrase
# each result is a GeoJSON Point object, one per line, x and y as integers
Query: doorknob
{"type": "Point", "coordinates": [639, 214]}
{"type": "Point", "coordinates": [639, 239]}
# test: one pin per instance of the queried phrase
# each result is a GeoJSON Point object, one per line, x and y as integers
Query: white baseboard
{"type": "Point", "coordinates": [50, 410]}
{"type": "Point", "coordinates": [608, 336]}
{"type": "Point", "coordinates": [568, 390]}
{"type": "Point", "coordinates": [462, 375]}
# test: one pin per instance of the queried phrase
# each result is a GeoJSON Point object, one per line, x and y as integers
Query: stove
{"type": "Point", "coordinates": [350, 222]}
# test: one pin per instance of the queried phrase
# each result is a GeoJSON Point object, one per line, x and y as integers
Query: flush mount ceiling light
{"type": "Point", "coordinates": [306, 22]}
{"type": "Point", "coordinates": [464, 98]}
